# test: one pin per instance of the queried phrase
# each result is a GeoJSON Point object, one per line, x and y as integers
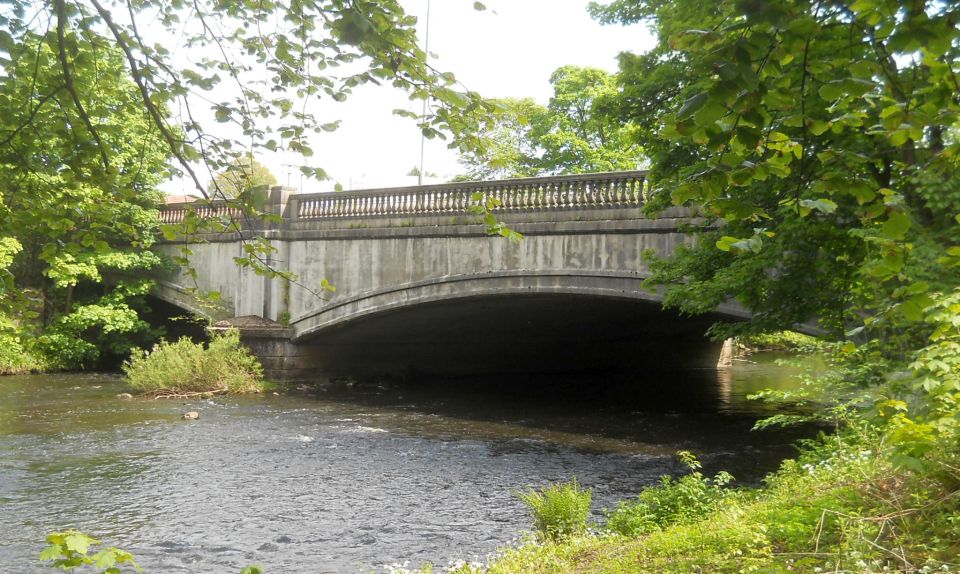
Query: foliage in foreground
{"type": "Point", "coordinates": [188, 367]}
{"type": "Point", "coordinates": [69, 550]}
{"type": "Point", "coordinates": [559, 510]}
{"type": "Point", "coordinates": [841, 507]}
{"type": "Point", "coordinates": [675, 500]}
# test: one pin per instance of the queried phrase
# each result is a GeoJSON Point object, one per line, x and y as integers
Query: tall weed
{"type": "Point", "coordinates": [558, 510]}
{"type": "Point", "coordinates": [187, 367]}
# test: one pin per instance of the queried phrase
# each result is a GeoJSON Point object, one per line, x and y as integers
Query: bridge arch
{"type": "Point", "coordinates": [609, 285]}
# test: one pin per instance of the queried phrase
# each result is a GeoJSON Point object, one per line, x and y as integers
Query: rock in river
{"type": "Point", "coordinates": [191, 415]}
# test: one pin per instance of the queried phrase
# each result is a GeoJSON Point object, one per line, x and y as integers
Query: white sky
{"type": "Point", "coordinates": [508, 50]}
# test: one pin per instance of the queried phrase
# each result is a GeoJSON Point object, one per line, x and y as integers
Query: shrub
{"type": "Point", "coordinates": [186, 367]}
{"type": "Point", "coordinates": [559, 510]}
{"type": "Point", "coordinates": [685, 499]}
{"type": "Point", "coordinates": [14, 358]}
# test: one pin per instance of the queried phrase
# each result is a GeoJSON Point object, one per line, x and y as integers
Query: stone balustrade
{"type": "Point", "coordinates": [611, 190]}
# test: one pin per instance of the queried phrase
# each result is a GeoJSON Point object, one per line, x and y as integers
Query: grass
{"type": "Point", "coordinates": [185, 368]}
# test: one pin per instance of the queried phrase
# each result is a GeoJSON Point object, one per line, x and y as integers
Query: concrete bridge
{"type": "Point", "coordinates": [421, 286]}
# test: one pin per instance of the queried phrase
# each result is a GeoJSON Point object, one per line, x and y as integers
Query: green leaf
{"type": "Point", "coordinates": [692, 105]}
{"type": "Point", "coordinates": [479, 6]}
{"type": "Point", "coordinates": [822, 205]}
{"type": "Point", "coordinates": [831, 91]}
{"type": "Point", "coordinates": [79, 543]}
{"type": "Point", "coordinates": [104, 559]}
{"type": "Point", "coordinates": [896, 225]}
{"type": "Point", "coordinates": [709, 113]}
{"type": "Point", "coordinates": [726, 242]}
{"type": "Point", "coordinates": [51, 552]}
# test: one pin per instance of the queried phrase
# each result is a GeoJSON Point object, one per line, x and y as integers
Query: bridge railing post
{"type": "Point", "coordinates": [291, 212]}
{"type": "Point", "coordinates": [278, 198]}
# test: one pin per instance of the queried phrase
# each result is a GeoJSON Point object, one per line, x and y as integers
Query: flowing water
{"type": "Point", "coordinates": [349, 477]}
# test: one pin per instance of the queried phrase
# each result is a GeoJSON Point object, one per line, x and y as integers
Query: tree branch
{"type": "Point", "coordinates": [61, 8]}
{"type": "Point", "coordinates": [145, 95]}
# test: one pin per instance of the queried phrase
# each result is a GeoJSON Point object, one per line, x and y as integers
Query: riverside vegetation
{"type": "Point", "coordinates": [185, 368]}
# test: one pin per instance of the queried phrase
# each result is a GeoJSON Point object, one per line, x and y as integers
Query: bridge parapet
{"type": "Point", "coordinates": [611, 190]}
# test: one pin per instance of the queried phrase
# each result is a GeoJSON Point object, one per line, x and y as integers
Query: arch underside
{"type": "Point", "coordinates": [179, 297]}
{"type": "Point", "coordinates": [506, 324]}
{"type": "Point", "coordinates": [627, 287]}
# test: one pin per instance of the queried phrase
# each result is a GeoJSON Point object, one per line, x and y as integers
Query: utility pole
{"type": "Point", "coordinates": [423, 113]}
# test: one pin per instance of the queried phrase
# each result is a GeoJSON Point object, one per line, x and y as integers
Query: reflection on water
{"type": "Point", "coordinates": [347, 477]}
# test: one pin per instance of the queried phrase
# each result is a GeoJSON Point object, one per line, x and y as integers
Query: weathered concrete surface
{"type": "Point", "coordinates": [406, 286]}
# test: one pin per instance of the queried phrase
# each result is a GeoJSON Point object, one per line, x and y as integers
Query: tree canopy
{"type": "Point", "coordinates": [69, 221]}
{"type": "Point", "coordinates": [818, 140]}
{"type": "Point", "coordinates": [575, 132]}
{"type": "Point", "coordinates": [241, 175]}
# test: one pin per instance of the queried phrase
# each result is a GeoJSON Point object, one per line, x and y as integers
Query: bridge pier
{"type": "Point", "coordinates": [268, 341]}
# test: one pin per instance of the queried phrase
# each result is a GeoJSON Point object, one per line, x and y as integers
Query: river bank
{"type": "Point", "coordinates": [843, 506]}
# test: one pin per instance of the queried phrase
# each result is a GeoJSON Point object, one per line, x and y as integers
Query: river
{"type": "Point", "coordinates": [349, 477]}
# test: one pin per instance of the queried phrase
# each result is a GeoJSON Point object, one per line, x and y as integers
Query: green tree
{"type": "Point", "coordinates": [78, 228]}
{"type": "Point", "coordinates": [815, 131]}
{"type": "Point", "coordinates": [817, 139]}
{"type": "Point", "coordinates": [241, 175]}
{"type": "Point", "coordinates": [578, 131]}
{"type": "Point", "coordinates": [509, 149]}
